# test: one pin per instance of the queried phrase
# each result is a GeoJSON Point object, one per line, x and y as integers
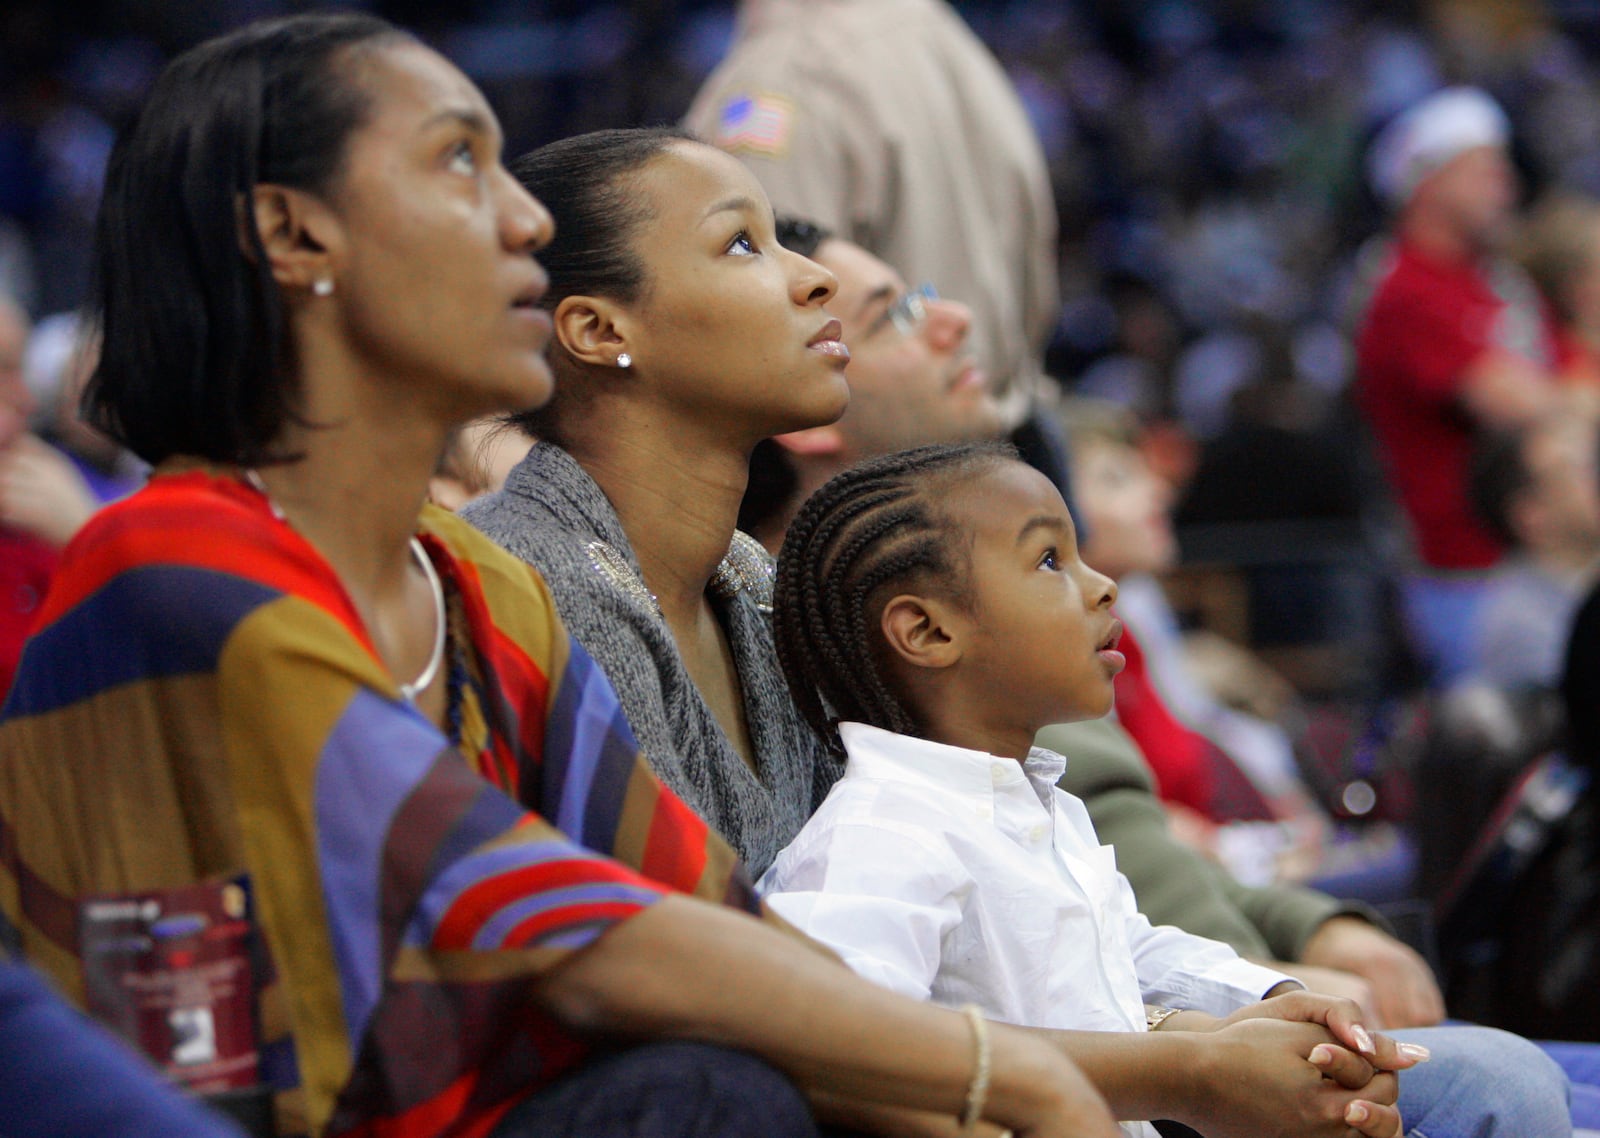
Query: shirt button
{"type": "Point", "coordinates": [1038, 832]}
{"type": "Point", "coordinates": [998, 774]}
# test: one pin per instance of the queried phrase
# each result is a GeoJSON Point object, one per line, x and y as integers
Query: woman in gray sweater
{"type": "Point", "coordinates": [685, 333]}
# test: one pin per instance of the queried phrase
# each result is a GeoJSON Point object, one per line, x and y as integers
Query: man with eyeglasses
{"type": "Point", "coordinates": [913, 380]}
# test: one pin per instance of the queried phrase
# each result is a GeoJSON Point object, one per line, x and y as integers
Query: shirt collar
{"type": "Point", "coordinates": [877, 753]}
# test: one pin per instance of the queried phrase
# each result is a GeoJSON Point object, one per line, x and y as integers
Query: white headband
{"type": "Point", "coordinates": [1425, 137]}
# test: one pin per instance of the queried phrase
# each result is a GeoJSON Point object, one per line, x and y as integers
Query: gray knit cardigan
{"type": "Point", "coordinates": [555, 517]}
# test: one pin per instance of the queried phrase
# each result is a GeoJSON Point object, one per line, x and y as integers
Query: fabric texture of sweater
{"type": "Point", "coordinates": [554, 516]}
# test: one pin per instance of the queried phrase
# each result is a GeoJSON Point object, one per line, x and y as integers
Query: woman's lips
{"type": "Point", "coordinates": [828, 343]}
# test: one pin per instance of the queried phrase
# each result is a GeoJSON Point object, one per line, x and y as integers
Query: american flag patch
{"type": "Point", "coordinates": [757, 123]}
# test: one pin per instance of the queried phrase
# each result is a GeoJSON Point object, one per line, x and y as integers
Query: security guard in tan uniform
{"type": "Point", "coordinates": [890, 123]}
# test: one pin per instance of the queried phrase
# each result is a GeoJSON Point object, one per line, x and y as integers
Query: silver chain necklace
{"type": "Point", "coordinates": [436, 587]}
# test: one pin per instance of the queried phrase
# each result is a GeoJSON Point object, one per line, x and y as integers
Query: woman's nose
{"type": "Point", "coordinates": [812, 283]}
{"type": "Point", "coordinates": [525, 224]}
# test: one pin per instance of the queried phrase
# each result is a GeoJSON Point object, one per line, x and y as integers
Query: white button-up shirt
{"type": "Point", "coordinates": [963, 877]}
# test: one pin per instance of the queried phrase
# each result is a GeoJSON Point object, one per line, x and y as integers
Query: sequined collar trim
{"type": "Point", "coordinates": [746, 568]}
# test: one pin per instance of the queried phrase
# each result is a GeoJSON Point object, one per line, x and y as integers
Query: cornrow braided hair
{"type": "Point", "coordinates": [874, 528]}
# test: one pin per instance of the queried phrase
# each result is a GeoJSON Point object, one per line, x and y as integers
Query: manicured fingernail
{"type": "Point", "coordinates": [1415, 1051]}
{"type": "Point", "coordinates": [1363, 1040]}
{"type": "Point", "coordinates": [1321, 1055]}
{"type": "Point", "coordinates": [1356, 1113]}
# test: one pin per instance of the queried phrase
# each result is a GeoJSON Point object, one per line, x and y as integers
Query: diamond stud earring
{"type": "Point", "coordinates": [323, 286]}
{"type": "Point", "coordinates": [624, 360]}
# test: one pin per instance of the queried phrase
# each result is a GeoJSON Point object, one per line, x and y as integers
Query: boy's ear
{"type": "Point", "coordinates": [588, 328]}
{"type": "Point", "coordinates": [812, 442]}
{"type": "Point", "coordinates": [923, 631]}
{"type": "Point", "coordinates": [298, 232]}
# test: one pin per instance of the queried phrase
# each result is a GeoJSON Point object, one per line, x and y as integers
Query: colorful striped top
{"type": "Point", "coordinates": [200, 699]}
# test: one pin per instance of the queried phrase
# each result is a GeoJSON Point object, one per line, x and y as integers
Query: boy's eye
{"type": "Point", "coordinates": [742, 246]}
{"type": "Point", "coordinates": [1049, 560]}
{"type": "Point", "coordinates": [462, 160]}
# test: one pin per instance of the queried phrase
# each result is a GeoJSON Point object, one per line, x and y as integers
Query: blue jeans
{"type": "Point", "coordinates": [665, 1090]}
{"type": "Point", "coordinates": [1482, 1083]}
{"type": "Point", "coordinates": [1581, 1062]}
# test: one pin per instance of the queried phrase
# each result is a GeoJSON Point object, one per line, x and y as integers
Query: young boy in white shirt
{"type": "Point", "coordinates": [932, 613]}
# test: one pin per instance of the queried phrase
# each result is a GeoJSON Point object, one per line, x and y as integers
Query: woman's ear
{"type": "Point", "coordinates": [587, 328]}
{"type": "Point", "coordinates": [299, 235]}
{"type": "Point", "coordinates": [923, 631]}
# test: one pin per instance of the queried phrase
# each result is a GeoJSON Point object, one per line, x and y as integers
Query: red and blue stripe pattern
{"type": "Point", "coordinates": [201, 697]}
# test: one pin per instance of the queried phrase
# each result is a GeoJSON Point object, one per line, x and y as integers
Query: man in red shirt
{"type": "Point", "coordinates": [1452, 343]}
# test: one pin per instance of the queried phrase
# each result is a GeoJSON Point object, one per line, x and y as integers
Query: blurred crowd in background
{"type": "Point", "coordinates": [1206, 155]}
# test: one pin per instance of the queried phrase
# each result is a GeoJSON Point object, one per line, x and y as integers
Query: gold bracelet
{"type": "Point", "coordinates": [1155, 1016]}
{"type": "Point", "coordinates": [978, 1089]}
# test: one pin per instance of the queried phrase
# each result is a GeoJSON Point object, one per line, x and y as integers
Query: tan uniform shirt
{"type": "Point", "coordinates": [890, 123]}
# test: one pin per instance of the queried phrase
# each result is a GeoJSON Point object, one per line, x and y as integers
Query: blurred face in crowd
{"type": "Point", "coordinates": [1475, 193]}
{"type": "Point", "coordinates": [913, 380]}
{"type": "Point", "coordinates": [16, 401]}
{"type": "Point", "coordinates": [1126, 509]}
{"type": "Point", "coordinates": [1581, 289]}
{"type": "Point", "coordinates": [477, 462]}
{"type": "Point", "coordinates": [1559, 512]}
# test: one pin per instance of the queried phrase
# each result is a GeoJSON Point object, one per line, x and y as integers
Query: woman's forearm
{"type": "Point", "coordinates": [686, 969]}
{"type": "Point", "coordinates": [1141, 1074]}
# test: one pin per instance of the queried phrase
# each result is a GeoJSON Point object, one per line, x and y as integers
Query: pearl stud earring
{"type": "Point", "coordinates": [323, 286]}
{"type": "Point", "coordinates": [624, 360]}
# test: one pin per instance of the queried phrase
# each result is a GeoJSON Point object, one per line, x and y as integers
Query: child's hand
{"type": "Point", "coordinates": [1374, 1121]}
{"type": "Point", "coordinates": [1270, 1078]}
{"type": "Point", "coordinates": [1342, 1018]}
{"type": "Point", "coordinates": [1335, 982]}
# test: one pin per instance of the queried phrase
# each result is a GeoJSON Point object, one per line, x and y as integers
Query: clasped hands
{"type": "Point", "coordinates": [1296, 1064]}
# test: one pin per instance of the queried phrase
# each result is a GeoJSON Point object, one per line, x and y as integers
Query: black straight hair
{"type": "Point", "coordinates": [867, 533]}
{"type": "Point", "coordinates": [193, 358]}
{"type": "Point", "coordinates": [584, 181]}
